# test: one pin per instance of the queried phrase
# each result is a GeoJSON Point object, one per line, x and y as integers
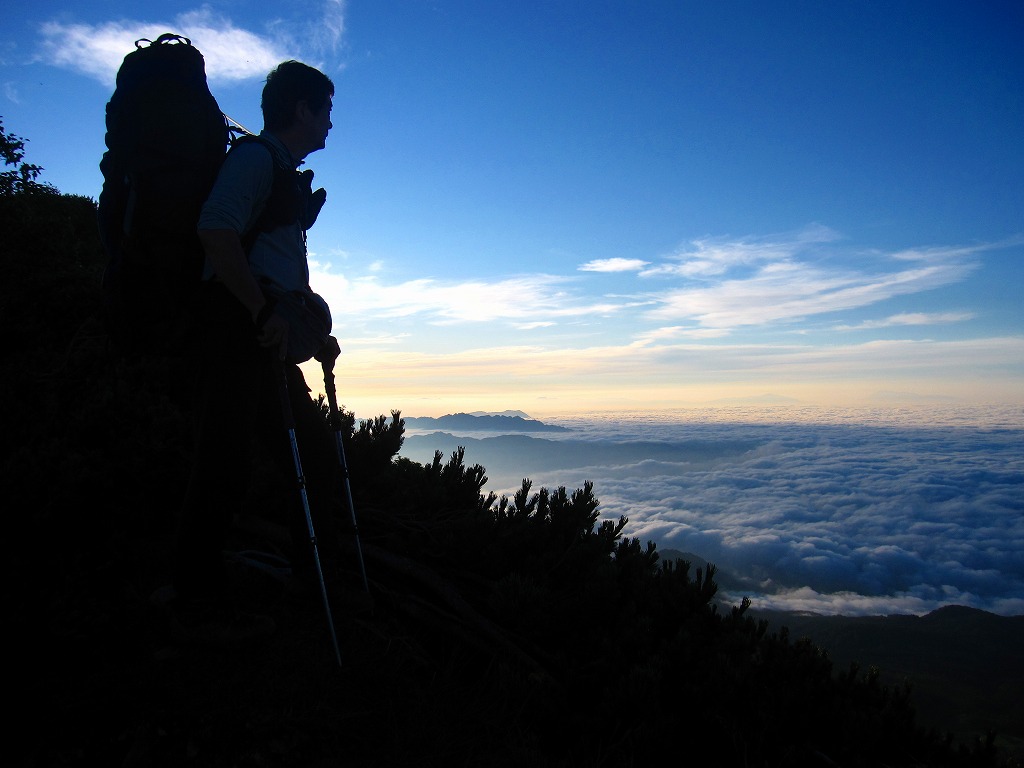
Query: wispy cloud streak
{"type": "Point", "coordinates": [528, 298]}
{"type": "Point", "coordinates": [716, 289]}
{"type": "Point", "coordinates": [782, 285]}
{"type": "Point", "coordinates": [909, 318]}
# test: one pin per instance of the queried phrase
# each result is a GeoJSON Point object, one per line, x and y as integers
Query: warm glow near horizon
{"type": "Point", "coordinates": [417, 393]}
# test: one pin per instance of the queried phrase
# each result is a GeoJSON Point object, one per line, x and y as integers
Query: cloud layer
{"type": "Point", "coordinates": [835, 518]}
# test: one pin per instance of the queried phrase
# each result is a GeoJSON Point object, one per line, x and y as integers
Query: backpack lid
{"type": "Point", "coordinates": [169, 56]}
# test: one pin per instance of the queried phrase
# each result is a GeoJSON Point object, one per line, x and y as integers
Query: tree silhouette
{"type": "Point", "coordinates": [20, 179]}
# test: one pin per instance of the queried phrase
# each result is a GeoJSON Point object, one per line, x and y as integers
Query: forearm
{"type": "Point", "coordinates": [224, 251]}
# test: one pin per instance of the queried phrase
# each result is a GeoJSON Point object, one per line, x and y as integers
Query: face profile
{"type": "Point", "coordinates": [320, 125]}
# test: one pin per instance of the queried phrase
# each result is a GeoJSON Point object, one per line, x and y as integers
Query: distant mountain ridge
{"type": "Point", "coordinates": [511, 457]}
{"type": "Point", "coordinates": [482, 422]}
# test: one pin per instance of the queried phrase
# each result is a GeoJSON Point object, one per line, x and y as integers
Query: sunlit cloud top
{"type": "Point", "coordinates": [613, 265]}
{"type": "Point", "coordinates": [232, 53]}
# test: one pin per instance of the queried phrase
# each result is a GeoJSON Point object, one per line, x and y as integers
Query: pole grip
{"type": "Point", "coordinates": [332, 395]}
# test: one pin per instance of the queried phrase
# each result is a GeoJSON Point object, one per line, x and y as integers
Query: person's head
{"type": "Point", "coordinates": [297, 99]}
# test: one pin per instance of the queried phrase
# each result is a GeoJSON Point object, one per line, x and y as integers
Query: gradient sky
{"type": "Point", "coordinates": [556, 206]}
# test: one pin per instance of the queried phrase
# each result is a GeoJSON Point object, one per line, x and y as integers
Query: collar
{"type": "Point", "coordinates": [281, 154]}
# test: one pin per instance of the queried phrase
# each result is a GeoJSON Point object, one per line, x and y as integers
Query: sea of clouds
{"type": "Point", "coordinates": [855, 512]}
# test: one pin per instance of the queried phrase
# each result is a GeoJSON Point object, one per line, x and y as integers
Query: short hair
{"type": "Point", "coordinates": [287, 84]}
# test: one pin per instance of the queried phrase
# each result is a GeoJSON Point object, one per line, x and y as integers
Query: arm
{"type": "Point", "coordinates": [246, 176]}
{"type": "Point", "coordinates": [227, 258]}
{"type": "Point", "coordinates": [224, 251]}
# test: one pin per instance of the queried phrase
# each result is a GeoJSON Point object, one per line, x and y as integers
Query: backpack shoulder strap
{"type": "Point", "coordinates": [284, 204]}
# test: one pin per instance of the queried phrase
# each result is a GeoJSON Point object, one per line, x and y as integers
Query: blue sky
{"type": "Point", "coordinates": [556, 206]}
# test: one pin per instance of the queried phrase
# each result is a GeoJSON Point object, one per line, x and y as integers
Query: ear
{"type": "Point", "coordinates": [302, 111]}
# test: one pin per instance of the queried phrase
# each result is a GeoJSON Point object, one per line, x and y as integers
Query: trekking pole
{"type": "Point", "coordinates": [289, 422]}
{"type": "Point", "coordinates": [332, 398]}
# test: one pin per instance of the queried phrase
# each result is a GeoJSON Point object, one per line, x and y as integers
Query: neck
{"type": "Point", "coordinates": [293, 143]}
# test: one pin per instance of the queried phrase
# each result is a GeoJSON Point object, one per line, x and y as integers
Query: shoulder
{"type": "Point", "coordinates": [251, 151]}
{"type": "Point", "coordinates": [249, 165]}
{"type": "Point", "coordinates": [270, 145]}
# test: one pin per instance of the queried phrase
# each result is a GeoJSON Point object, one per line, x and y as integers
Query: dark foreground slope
{"type": "Point", "coordinates": [504, 632]}
{"type": "Point", "coordinates": [965, 666]}
{"type": "Point", "coordinates": [462, 661]}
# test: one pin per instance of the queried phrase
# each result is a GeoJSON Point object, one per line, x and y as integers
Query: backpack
{"type": "Point", "coordinates": [166, 138]}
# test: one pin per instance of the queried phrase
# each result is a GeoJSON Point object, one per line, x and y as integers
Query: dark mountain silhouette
{"type": "Point", "coordinates": [471, 422]}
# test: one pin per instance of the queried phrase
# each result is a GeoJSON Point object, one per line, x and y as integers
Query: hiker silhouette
{"type": "Point", "coordinates": [248, 318]}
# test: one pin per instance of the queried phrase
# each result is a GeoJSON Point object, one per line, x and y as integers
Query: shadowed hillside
{"type": "Point", "coordinates": [512, 631]}
{"type": "Point", "coordinates": [964, 665]}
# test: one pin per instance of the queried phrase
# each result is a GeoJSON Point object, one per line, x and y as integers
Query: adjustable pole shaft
{"type": "Point", "coordinates": [332, 399]}
{"type": "Point", "coordinates": [289, 421]}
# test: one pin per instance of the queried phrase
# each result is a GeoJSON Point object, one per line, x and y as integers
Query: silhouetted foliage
{"type": "Point", "coordinates": [21, 178]}
{"type": "Point", "coordinates": [507, 631]}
